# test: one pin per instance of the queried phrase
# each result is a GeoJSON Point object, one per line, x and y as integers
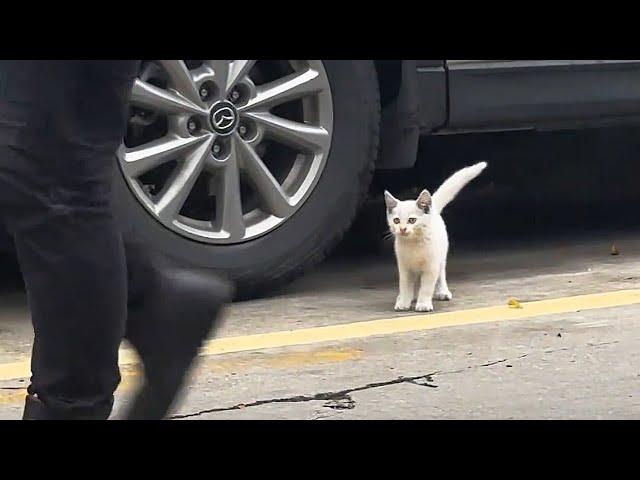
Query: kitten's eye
{"type": "Point", "coordinates": [412, 220]}
{"type": "Point", "coordinates": [396, 220]}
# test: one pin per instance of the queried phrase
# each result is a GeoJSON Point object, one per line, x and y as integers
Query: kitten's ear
{"type": "Point", "coordinates": [390, 200]}
{"type": "Point", "coordinates": [424, 201]}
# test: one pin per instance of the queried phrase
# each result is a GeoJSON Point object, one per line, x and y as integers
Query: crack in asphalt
{"type": "Point", "coordinates": [337, 400]}
{"type": "Point", "coordinates": [342, 400]}
{"type": "Point", "coordinates": [488, 364]}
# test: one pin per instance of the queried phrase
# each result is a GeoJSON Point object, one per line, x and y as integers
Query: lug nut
{"type": "Point", "coordinates": [192, 125]}
{"type": "Point", "coordinates": [204, 93]}
{"type": "Point", "coordinates": [235, 95]}
{"type": "Point", "coordinates": [242, 130]}
{"type": "Point", "coordinates": [216, 149]}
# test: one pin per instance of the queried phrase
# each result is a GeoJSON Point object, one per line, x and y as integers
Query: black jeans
{"type": "Point", "coordinates": [61, 123]}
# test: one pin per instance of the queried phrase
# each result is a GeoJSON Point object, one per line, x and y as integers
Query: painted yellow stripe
{"type": "Point", "coordinates": [11, 371]}
{"type": "Point", "coordinates": [387, 326]}
{"type": "Point", "coordinates": [131, 373]}
{"type": "Point", "coordinates": [421, 322]}
{"type": "Point", "coordinates": [15, 395]}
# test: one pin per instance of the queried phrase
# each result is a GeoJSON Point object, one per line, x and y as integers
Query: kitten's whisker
{"type": "Point", "coordinates": [387, 235]}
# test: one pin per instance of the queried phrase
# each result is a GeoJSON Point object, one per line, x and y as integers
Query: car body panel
{"type": "Point", "coordinates": [459, 96]}
{"type": "Point", "coordinates": [491, 94]}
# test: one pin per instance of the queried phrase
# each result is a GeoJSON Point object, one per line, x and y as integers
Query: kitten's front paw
{"type": "Point", "coordinates": [424, 307]}
{"type": "Point", "coordinates": [443, 296]}
{"type": "Point", "coordinates": [402, 305]}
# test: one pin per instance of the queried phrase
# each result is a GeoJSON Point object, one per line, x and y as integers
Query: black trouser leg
{"type": "Point", "coordinates": [60, 125]}
{"type": "Point", "coordinates": [73, 266]}
{"type": "Point", "coordinates": [55, 191]}
{"type": "Point", "coordinates": [172, 310]}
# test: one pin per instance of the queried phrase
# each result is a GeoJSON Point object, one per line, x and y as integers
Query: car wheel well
{"type": "Point", "coordinates": [389, 79]}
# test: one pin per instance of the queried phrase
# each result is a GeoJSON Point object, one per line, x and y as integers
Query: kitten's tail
{"type": "Point", "coordinates": [456, 182]}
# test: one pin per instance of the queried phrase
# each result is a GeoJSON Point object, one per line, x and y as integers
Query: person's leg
{"type": "Point", "coordinates": [74, 271]}
{"type": "Point", "coordinates": [172, 310]}
{"type": "Point", "coordinates": [62, 123]}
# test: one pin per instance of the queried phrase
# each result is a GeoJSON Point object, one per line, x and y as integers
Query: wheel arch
{"type": "Point", "coordinates": [400, 126]}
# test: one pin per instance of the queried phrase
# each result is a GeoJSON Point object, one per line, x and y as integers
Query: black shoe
{"type": "Point", "coordinates": [171, 313]}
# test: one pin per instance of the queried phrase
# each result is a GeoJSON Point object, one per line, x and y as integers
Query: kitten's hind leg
{"type": "Point", "coordinates": [442, 289]}
{"type": "Point", "coordinates": [407, 289]}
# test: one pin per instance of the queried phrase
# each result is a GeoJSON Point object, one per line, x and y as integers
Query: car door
{"type": "Point", "coordinates": [503, 94]}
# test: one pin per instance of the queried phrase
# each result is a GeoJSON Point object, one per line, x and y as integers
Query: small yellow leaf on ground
{"type": "Point", "coordinates": [513, 303]}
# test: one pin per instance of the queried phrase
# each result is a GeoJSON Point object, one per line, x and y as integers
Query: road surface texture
{"type": "Point", "coordinates": [571, 358]}
{"type": "Point", "coordinates": [331, 347]}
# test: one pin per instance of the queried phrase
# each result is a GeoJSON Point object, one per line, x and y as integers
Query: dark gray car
{"type": "Point", "coordinates": [257, 168]}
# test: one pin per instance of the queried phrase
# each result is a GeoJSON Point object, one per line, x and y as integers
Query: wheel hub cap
{"type": "Point", "coordinates": [224, 118]}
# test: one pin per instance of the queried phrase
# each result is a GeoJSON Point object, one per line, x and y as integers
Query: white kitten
{"type": "Point", "coordinates": [421, 241]}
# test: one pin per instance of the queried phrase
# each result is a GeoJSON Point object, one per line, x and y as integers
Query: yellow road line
{"type": "Point", "coordinates": [335, 333]}
{"type": "Point", "coordinates": [130, 373]}
{"type": "Point", "coordinates": [129, 379]}
{"type": "Point", "coordinates": [15, 370]}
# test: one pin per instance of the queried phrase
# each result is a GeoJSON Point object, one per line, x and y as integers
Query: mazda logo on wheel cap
{"type": "Point", "coordinates": [224, 118]}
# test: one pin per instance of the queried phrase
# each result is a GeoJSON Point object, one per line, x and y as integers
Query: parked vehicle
{"type": "Point", "coordinates": [258, 168]}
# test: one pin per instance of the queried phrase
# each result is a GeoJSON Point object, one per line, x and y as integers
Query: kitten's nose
{"type": "Point", "coordinates": [403, 229]}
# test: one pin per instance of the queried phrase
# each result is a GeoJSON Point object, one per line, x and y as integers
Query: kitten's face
{"type": "Point", "coordinates": [409, 218]}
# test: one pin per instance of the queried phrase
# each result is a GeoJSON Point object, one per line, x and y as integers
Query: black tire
{"type": "Point", "coordinates": [267, 262]}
